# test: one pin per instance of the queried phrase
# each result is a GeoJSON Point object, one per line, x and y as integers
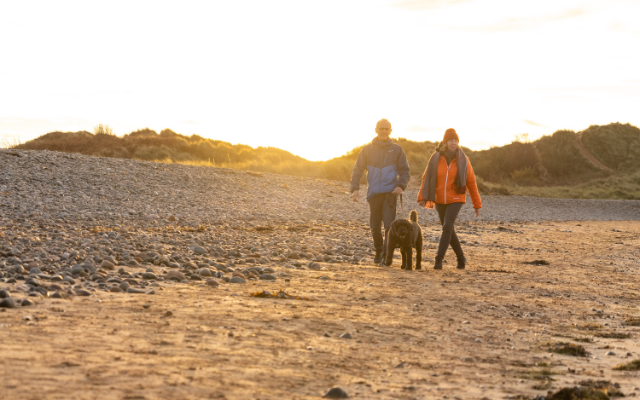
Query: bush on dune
{"type": "Point", "coordinates": [615, 145]}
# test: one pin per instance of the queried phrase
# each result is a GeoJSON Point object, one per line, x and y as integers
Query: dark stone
{"type": "Point", "coordinates": [55, 287]}
{"type": "Point", "coordinates": [82, 292]}
{"type": "Point", "coordinates": [336, 393]}
{"type": "Point", "coordinates": [77, 269]}
{"type": "Point", "coordinates": [7, 303]}
{"type": "Point", "coordinates": [345, 336]}
{"type": "Point", "coordinates": [267, 277]}
{"type": "Point", "coordinates": [205, 272]}
{"type": "Point", "coordinates": [26, 303]}
{"type": "Point", "coordinates": [4, 294]}
{"type": "Point", "coordinates": [149, 275]}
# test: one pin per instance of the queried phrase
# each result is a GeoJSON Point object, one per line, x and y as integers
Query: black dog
{"type": "Point", "coordinates": [406, 235]}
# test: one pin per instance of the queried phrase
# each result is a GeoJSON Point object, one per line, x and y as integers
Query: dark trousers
{"type": "Point", "coordinates": [448, 214]}
{"type": "Point", "coordinates": [382, 209]}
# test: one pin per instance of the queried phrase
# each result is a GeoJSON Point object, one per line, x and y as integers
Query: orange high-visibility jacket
{"type": "Point", "coordinates": [445, 192]}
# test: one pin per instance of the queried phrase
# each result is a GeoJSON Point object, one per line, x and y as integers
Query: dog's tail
{"type": "Point", "coordinates": [414, 216]}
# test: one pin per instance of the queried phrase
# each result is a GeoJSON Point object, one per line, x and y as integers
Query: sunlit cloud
{"type": "Point", "coordinates": [528, 122]}
{"type": "Point", "coordinates": [522, 23]}
{"type": "Point", "coordinates": [428, 4]}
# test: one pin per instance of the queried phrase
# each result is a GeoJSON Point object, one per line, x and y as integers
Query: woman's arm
{"type": "Point", "coordinates": [473, 188]}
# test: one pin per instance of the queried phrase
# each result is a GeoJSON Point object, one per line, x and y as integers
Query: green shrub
{"type": "Point", "coordinates": [615, 145]}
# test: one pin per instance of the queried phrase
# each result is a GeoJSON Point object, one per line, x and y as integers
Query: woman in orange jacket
{"type": "Point", "coordinates": [444, 185]}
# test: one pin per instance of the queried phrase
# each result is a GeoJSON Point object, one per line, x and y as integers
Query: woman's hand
{"type": "Point", "coordinates": [426, 204]}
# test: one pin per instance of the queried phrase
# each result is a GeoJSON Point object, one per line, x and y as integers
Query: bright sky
{"type": "Point", "coordinates": [313, 77]}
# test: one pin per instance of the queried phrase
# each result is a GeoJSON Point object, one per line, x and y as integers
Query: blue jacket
{"type": "Point", "coordinates": [387, 168]}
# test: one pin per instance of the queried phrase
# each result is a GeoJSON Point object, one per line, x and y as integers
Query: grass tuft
{"type": "Point", "coordinates": [632, 366]}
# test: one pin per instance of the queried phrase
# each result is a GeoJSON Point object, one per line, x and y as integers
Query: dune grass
{"type": "Point", "coordinates": [620, 186]}
{"type": "Point", "coordinates": [552, 166]}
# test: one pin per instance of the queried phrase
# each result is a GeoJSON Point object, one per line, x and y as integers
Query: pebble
{"type": "Point", "coordinates": [205, 272]}
{"type": "Point", "coordinates": [611, 353]}
{"type": "Point", "coordinates": [237, 279]}
{"type": "Point", "coordinates": [7, 302]}
{"type": "Point", "coordinates": [26, 303]}
{"type": "Point", "coordinates": [336, 393]}
{"type": "Point", "coordinates": [346, 335]}
{"type": "Point", "coordinates": [315, 266]}
{"type": "Point", "coordinates": [200, 250]}
{"type": "Point", "coordinates": [108, 265]}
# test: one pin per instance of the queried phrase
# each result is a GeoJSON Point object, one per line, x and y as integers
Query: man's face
{"type": "Point", "coordinates": [383, 130]}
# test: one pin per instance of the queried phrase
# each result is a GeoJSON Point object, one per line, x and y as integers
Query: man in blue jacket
{"type": "Point", "coordinates": [387, 177]}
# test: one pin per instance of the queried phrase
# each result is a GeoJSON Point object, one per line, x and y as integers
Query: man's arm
{"type": "Point", "coordinates": [403, 170]}
{"type": "Point", "coordinates": [358, 170]}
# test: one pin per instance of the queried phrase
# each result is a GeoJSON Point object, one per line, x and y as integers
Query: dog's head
{"type": "Point", "coordinates": [402, 231]}
{"type": "Point", "coordinates": [401, 228]}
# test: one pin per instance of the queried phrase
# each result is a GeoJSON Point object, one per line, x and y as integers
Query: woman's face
{"type": "Point", "coordinates": [452, 144]}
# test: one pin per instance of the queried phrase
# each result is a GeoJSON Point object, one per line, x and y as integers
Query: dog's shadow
{"type": "Point", "coordinates": [406, 235]}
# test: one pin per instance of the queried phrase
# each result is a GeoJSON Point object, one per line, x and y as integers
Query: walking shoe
{"type": "Point", "coordinates": [462, 262]}
{"type": "Point", "coordinates": [378, 258]}
{"type": "Point", "coordinates": [438, 264]}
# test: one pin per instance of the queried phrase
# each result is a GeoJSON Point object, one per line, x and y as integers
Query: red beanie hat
{"type": "Point", "coordinates": [450, 134]}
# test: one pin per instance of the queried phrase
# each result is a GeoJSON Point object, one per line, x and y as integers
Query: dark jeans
{"type": "Point", "coordinates": [382, 209]}
{"type": "Point", "coordinates": [448, 214]}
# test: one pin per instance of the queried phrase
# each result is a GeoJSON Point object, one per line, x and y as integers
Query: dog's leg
{"type": "Point", "coordinates": [404, 258]}
{"type": "Point", "coordinates": [391, 246]}
{"type": "Point", "coordinates": [419, 251]}
{"type": "Point", "coordinates": [409, 252]}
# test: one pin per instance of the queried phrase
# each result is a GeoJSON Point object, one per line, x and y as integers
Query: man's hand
{"type": "Point", "coordinates": [355, 195]}
{"type": "Point", "coordinates": [422, 203]}
{"type": "Point", "coordinates": [477, 212]}
{"type": "Point", "coordinates": [397, 190]}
